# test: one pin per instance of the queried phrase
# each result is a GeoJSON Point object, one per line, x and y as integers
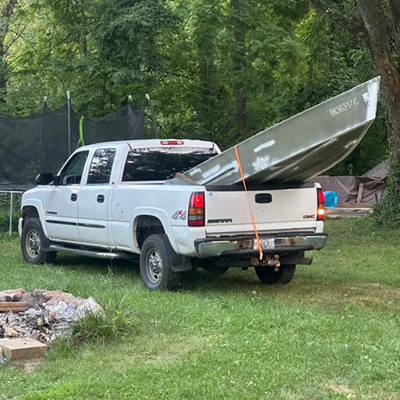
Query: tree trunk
{"type": "Point", "coordinates": [239, 61]}
{"type": "Point", "coordinates": [83, 36]}
{"type": "Point", "coordinates": [205, 41]}
{"type": "Point", "coordinates": [207, 102]}
{"type": "Point", "coordinates": [382, 45]}
{"type": "Point", "coordinates": [6, 11]}
{"type": "Point", "coordinates": [2, 66]}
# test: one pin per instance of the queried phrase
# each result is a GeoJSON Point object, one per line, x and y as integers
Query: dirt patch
{"type": "Point", "coordinates": [370, 294]}
{"type": "Point", "coordinates": [340, 389]}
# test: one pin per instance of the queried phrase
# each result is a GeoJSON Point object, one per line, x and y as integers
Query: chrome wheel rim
{"type": "Point", "coordinates": [154, 263]}
{"type": "Point", "coordinates": [33, 243]}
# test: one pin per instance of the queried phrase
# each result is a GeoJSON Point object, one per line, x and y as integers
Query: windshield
{"type": "Point", "coordinates": [161, 164]}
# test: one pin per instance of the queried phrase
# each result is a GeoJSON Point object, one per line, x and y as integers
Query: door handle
{"type": "Point", "coordinates": [263, 198]}
{"type": "Point", "coordinates": [74, 197]}
{"type": "Point", "coordinates": [100, 198]}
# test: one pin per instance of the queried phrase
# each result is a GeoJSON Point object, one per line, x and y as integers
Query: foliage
{"type": "Point", "coordinates": [387, 212]}
{"type": "Point", "coordinates": [215, 70]}
{"type": "Point", "coordinates": [5, 208]}
{"type": "Point", "coordinates": [101, 51]}
{"type": "Point", "coordinates": [207, 94]}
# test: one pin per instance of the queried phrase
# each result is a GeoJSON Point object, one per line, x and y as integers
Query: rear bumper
{"type": "Point", "coordinates": [243, 246]}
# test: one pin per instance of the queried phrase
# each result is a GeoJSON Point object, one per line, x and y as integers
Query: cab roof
{"type": "Point", "coordinates": [155, 143]}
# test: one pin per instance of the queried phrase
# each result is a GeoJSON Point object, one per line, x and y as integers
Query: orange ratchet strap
{"type": "Point", "coordinates": [251, 211]}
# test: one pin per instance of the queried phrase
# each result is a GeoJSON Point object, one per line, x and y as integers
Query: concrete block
{"type": "Point", "coordinates": [22, 349]}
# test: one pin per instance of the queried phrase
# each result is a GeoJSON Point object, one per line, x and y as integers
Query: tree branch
{"type": "Point", "coordinates": [34, 72]}
{"type": "Point", "coordinates": [9, 8]}
{"type": "Point", "coordinates": [16, 37]}
{"type": "Point", "coordinates": [354, 27]}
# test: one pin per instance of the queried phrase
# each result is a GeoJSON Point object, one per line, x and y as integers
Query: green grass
{"type": "Point", "coordinates": [332, 333]}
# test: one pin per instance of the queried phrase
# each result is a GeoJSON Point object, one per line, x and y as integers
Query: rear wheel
{"type": "Point", "coordinates": [33, 242]}
{"type": "Point", "coordinates": [269, 276]}
{"type": "Point", "coordinates": [155, 264]}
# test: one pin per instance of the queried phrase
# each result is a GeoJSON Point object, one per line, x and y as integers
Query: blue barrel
{"type": "Point", "coordinates": [331, 199]}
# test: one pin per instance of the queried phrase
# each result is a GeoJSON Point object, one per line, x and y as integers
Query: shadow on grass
{"type": "Point", "coordinates": [197, 279]}
{"type": "Point", "coordinates": [97, 265]}
{"type": "Point", "coordinates": [234, 280]}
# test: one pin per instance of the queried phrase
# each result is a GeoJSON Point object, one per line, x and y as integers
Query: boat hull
{"type": "Point", "coordinates": [300, 147]}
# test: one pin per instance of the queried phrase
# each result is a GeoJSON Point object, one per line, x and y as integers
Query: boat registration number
{"type": "Point", "coordinates": [265, 244]}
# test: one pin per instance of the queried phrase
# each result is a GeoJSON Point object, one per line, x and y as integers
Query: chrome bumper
{"type": "Point", "coordinates": [245, 245]}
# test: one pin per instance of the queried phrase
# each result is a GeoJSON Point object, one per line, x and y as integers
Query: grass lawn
{"type": "Point", "coordinates": [332, 333]}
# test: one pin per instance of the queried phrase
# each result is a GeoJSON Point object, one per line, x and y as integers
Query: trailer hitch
{"type": "Point", "coordinates": [268, 260]}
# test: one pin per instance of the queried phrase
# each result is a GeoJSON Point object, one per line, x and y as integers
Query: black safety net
{"type": "Point", "coordinates": [43, 141]}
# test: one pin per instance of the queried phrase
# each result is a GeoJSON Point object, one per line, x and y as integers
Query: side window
{"type": "Point", "coordinates": [101, 165]}
{"type": "Point", "coordinates": [72, 172]}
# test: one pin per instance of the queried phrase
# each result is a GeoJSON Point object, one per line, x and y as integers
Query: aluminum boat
{"type": "Point", "coordinates": [298, 148]}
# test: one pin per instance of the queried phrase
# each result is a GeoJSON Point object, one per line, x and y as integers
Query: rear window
{"type": "Point", "coordinates": [161, 164]}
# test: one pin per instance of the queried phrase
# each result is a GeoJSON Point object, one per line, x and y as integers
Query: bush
{"type": "Point", "coordinates": [387, 212]}
{"type": "Point", "coordinates": [117, 321]}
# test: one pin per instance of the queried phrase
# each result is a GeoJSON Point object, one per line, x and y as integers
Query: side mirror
{"type": "Point", "coordinates": [44, 178]}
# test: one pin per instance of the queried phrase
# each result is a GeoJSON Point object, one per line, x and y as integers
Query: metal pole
{"type": "Point", "coordinates": [69, 121]}
{"type": "Point", "coordinates": [153, 115]}
{"type": "Point", "coordinates": [11, 212]}
{"type": "Point", "coordinates": [41, 136]}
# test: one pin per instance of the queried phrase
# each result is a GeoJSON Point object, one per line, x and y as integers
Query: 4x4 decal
{"type": "Point", "coordinates": [179, 214]}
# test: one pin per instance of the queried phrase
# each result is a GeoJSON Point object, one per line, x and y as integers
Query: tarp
{"type": "Point", "coordinates": [352, 190]}
{"type": "Point", "coordinates": [344, 186]}
{"type": "Point", "coordinates": [41, 142]}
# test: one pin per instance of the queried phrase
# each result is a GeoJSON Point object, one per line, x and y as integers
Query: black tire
{"type": "Point", "coordinates": [33, 243]}
{"type": "Point", "coordinates": [155, 264]}
{"type": "Point", "coordinates": [283, 276]}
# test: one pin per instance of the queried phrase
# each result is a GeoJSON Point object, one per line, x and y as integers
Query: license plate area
{"type": "Point", "coordinates": [266, 244]}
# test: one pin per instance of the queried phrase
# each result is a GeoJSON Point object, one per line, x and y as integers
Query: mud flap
{"type": "Point", "coordinates": [179, 263]}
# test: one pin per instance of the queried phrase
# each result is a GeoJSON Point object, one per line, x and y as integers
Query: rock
{"type": "Point", "coordinates": [10, 331]}
{"type": "Point", "coordinates": [89, 306]}
{"type": "Point", "coordinates": [11, 295]}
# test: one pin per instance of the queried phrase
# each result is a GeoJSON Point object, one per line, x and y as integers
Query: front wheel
{"type": "Point", "coordinates": [155, 264]}
{"type": "Point", "coordinates": [269, 276]}
{"type": "Point", "coordinates": [33, 241]}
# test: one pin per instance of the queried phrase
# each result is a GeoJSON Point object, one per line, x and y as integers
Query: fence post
{"type": "Point", "coordinates": [11, 212]}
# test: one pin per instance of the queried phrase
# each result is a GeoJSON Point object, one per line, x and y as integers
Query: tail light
{"type": "Point", "coordinates": [321, 205]}
{"type": "Point", "coordinates": [196, 209]}
{"type": "Point", "coordinates": [171, 142]}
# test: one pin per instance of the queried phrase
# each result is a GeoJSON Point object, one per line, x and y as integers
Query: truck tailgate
{"type": "Point", "coordinates": [275, 208]}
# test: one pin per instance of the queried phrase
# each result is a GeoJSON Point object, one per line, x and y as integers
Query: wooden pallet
{"type": "Point", "coordinates": [14, 306]}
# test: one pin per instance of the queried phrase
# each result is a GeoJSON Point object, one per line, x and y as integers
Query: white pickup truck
{"type": "Point", "coordinates": [117, 199]}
